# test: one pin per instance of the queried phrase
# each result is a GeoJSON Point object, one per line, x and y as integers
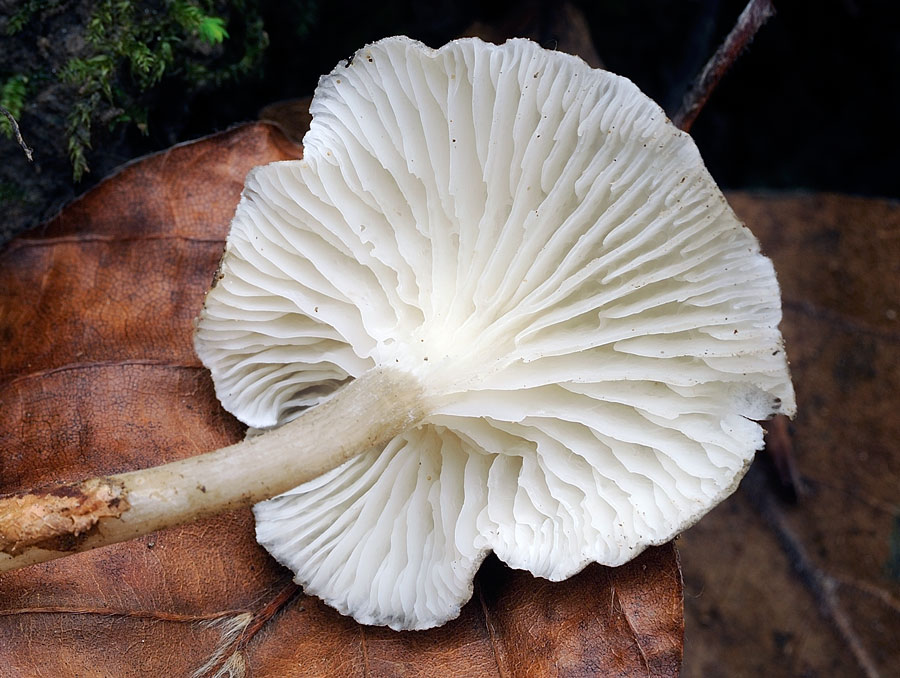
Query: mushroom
{"type": "Point", "coordinates": [499, 305]}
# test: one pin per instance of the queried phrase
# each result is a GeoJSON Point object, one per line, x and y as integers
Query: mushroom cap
{"type": "Point", "coordinates": [546, 252]}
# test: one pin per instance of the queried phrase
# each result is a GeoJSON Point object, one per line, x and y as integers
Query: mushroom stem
{"type": "Point", "coordinates": [38, 526]}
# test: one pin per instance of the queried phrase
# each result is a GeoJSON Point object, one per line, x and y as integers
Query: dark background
{"type": "Point", "coordinates": [812, 105]}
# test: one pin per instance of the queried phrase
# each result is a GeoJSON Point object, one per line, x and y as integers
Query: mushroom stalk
{"type": "Point", "coordinates": [38, 526]}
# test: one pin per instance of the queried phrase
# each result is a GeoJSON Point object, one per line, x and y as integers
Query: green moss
{"type": "Point", "coordinates": [10, 193]}
{"type": "Point", "coordinates": [12, 98]}
{"type": "Point", "coordinates": [26, 11]}
{"type": "Point", "coordinates": [130, 48]}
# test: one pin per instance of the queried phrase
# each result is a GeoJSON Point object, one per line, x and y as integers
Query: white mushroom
{"type": "Point", "coordinates": [506, 308]}
{"type": "Point", "coordinates": [532, 243]}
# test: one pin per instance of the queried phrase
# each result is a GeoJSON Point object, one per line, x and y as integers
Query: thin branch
{"type": "Point", "coordinates": [15, 128]}
{"type": "Point", "coordinates": [780, 448]}
{"type": "Point", "coordinates": [239, 631]}
{"type": "Point", "coordinates": [755, 14]}
{"type": "Point", "coordinates": [882, 596]}
{"type": "Point", "coordinates": [262, 616]}
{"type": "Point", "coordinates": [491, 633]}
{"type": "Point", "coordinates": [822, 586]}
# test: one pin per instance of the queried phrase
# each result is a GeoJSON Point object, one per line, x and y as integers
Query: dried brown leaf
{"type": "Point", "coordinates": [98, 376]}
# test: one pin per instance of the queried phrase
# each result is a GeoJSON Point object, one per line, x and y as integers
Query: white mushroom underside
{"type": "Point", "coordinates": [548, 253]}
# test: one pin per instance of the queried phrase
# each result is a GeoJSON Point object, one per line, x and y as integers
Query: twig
{"type": "Point", "coordinates": [15, 127]}
{"type": "Point", "coordinates": [780, 448]}
{"type": "Point", "coordinates": [878, 594]}
{"type": "Point", "coordinates": [755, 14]}
{"type": "Point", "coordinates": [239, 631]}
{"type": "Point", "coordinates": [821, 585]}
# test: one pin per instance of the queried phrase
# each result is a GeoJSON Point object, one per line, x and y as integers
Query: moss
{"type": "Point", "coordinates": [10, 193]}
{"type": "Point", "coordinates": [12, 98]}
{"type": "Point", "coordinates": [125, 49]}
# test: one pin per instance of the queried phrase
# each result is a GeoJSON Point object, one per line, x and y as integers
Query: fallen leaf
{"type": "Point", "coordinates": [98, 376]}
{"type": "Point", "coordinates": [811, 588]}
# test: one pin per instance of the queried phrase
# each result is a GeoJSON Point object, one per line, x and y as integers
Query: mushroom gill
{"type": "Point", "coordinates": [595, 331]}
